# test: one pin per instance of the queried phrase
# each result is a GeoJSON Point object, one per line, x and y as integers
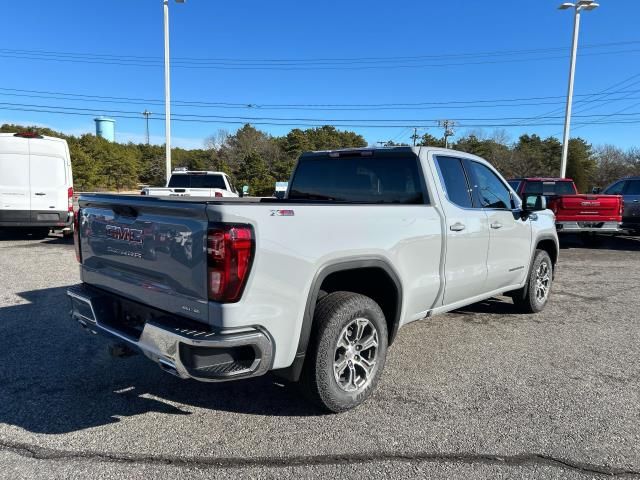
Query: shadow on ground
{"type": "Point", "coordinates": [25, 234]}
{"type": "Point", "coordinates": [57, 378]}
{"type": "Point", "coordinates": [602, 242]}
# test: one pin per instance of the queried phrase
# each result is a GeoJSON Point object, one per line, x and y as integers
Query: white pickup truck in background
{"type": "Point", "coordinates": [314, 286]}
{"type": "Point", "coordinates": [192, 183]}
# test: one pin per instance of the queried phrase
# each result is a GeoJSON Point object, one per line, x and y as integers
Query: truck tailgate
{"type": "Point", "coordinates": [598, 208]}
{"type": "Point", "coordinates": [147, 249]}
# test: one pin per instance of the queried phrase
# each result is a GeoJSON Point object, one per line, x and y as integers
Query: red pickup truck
{"type": "Point", "coordinates": [575, 213]}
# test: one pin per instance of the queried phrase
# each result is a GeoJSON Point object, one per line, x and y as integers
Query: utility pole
{"type": "Point", "coordinates": [415, 135]}
{"type": "Point", "coordinates": [167, 89]}
{"type": "Point", "coordinates": [146, 115]}
{"type": "Point", "coordinates": [448, 130]}
{"type": "Point", "coordinates": [578, 7]}
{"type": "Point", "coordinates": [167, 93]}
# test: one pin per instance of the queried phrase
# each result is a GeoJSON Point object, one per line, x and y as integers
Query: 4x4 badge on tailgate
{"type": "Point", "coordinates": [130, 235]}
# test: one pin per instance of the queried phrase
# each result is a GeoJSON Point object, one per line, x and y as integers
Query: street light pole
{"type": "Point", "coordinates": [578, 7]}
{"type": "Point", "coordinates": [167, 92]}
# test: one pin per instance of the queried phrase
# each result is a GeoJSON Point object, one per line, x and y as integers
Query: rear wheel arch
{"type": "Point", "coordinates": [372, 277]}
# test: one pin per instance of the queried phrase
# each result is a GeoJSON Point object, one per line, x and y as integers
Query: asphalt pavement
{"type": "Point", "coordinates": [482, 392]}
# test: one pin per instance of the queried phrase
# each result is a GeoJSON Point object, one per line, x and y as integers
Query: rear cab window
{"type": "Point", "coordinates": [515, 184]}
{"type": "Point", "coordinates": [183, 180]}
{"type": "Point", "coordinates": [549, 188]}
{"type": "Point", "coordinates": [359, 177]}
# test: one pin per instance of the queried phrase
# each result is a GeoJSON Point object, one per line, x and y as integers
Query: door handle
{"type": "Point", "coordinates": [457, 227]}
{"type": "Point", "coordinates": [496, 225]}
{"type": "Point", "coordinates": [636, 201]}
{"type": "Point", "coordinates": [40, 193]}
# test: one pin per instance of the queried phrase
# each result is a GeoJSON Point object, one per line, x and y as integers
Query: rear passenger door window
{"type": "Point", "coordinates": [490, 191]}
{"type": "Point", "coordinates": [633, 187]}
{"type": "Point", "coordinates": [454, 181]}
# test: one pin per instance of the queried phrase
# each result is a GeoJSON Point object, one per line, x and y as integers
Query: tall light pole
{"type": "Point", "coordinates": [167, 88]}
{"type": "Point", "coordinates": [578, 7]}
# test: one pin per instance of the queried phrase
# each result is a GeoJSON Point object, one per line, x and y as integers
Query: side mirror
{"type": "Point", "coordinates": [596, 190]}
{"type": "Point", "coordinates": [534, 203]}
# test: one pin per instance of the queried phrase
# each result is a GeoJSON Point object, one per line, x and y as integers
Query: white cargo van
{"type": "Point", "coordinates": [36, 186]}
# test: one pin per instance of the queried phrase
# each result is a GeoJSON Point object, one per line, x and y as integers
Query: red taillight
{"type": "Point", "coordinates": [218, 194]}
{"type": "Point", "coordinates": [70, 198]}
{"type": "Point", "coordinates": [28, 135]}
{"type": "Point", "coordinates": [76, 235]}
{"type": "Point", "coordinates": [229, 253]}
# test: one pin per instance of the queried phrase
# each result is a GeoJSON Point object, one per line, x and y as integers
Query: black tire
{"type": "Point", "coordinates": [527, 299]}
{"type": "Point", "coordinates": [334, 315]}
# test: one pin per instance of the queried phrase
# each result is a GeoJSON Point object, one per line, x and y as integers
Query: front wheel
{"type": "Point", "coordinates": [347, 352]}
{"type": "Point", "coordinates": [533, 297]}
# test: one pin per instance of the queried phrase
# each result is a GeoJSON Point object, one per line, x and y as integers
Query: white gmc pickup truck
{"type": "Point", "coordinates": [315, 286]}
{"type": "Point", "coordinates": [194, 183]}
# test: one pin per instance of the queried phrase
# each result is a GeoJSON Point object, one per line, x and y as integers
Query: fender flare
{"type": "Point", "coordinates": [293, 372]}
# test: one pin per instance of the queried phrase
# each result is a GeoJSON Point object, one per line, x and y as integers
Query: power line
{"type": "Point", "coordinates": [602, 95]}
{"type": "Point", "coordinates": [93, 59]}
{"type": "Point", "coordinates": [297, 124]}
{"type": "Point", "coordinates": [394, 58]}
{"type": "Point", "coordinates": [484, 103]}
{"type": "Point", "coordinates": [443, 123]}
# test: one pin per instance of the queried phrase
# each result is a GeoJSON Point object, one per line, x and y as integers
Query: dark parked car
{"type": "Point", "coordinates": [629, 188]}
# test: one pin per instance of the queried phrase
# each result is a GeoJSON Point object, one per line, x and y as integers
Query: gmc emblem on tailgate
{"type": "Point", "coordinates": [130, 235]}
{"type": "Point", "coordinates": [590, 204]}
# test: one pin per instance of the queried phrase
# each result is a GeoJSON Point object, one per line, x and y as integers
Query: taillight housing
{"type": "Point", "coordinates": [230, 251]}
{"type": "Point", "coordinates": [218, 194]}
{"type": "Point", "coordinates": [70, 198]}
{"type": "Point", "coordinates": [76, 235]}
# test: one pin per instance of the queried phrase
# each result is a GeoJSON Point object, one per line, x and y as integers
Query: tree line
{"type": "Point", "coordinates": [256, 159]}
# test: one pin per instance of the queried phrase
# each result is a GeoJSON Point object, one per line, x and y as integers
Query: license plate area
{"type": "Point", "coordinates": [125, 316]}
{"type": "Point", "coordinates": [590, 224]}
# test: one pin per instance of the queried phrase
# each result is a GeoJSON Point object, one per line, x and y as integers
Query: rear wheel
{"type": "Point", "coordinates": [347, 352]}
{"type": "Point", "coordinates": [533, 297]}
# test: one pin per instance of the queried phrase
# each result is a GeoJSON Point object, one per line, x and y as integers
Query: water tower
{"type": "Point", "coordinates": [106, 128]}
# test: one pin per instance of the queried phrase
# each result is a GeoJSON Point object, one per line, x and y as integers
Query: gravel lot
{"type": "Point", "coordinates": [479, 393]}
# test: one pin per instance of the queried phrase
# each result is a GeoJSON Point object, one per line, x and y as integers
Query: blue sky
{"type": "Point", "coordinates": [116, 48]}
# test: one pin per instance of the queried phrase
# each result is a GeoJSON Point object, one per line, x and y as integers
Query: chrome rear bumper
{"type": "Point", "coordinates": [597, 227]}
{"type": "Point", "coordinates": [203, 355]}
